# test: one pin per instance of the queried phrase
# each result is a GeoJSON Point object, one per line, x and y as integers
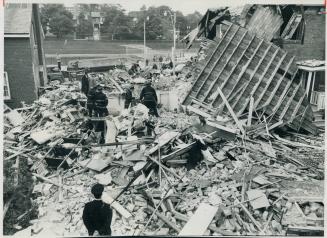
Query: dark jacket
{"type": "Point", "coordinates": [101, 101]}
{"type": "Point", "coordinates": [85, 84]}
{"type": "Point", "coordinates": [91, 98]}
{"type": "Point", "coordinates": [148, 94]}
{"type": "Point", "coordinates": [97, 216]}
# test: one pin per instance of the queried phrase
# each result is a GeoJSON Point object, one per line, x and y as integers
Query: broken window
{"type": "Point", "coordinates": [294, 28]}
{"type": "Point", "coordinates": [6, 93]}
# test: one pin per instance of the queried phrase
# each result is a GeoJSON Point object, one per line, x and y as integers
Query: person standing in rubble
{"type": "Point", "coordinates": [128, 95]}
{"type": "Point", "coordinates": [97, 215]}
{"type": "Point", "coordinates": [91, 100]}
{"type": "Point", "coordinates": [101, 102]}
{"type": "Point", "coordinates": [149, 98]}
{"type": "Point", "coordinates": [58, 61]}
{"type": "Point", "coordinates": [85, 83]}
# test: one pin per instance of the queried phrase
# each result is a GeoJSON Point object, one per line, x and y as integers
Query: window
{"type": "Point", "coordinates": [6, 93]}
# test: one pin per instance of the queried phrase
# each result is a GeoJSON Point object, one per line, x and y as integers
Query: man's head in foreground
{"type": "Point", "coordinates": [97, 190]}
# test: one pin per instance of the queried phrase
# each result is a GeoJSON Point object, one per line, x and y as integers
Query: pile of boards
{"type": "Point", "coordinates": [197, 177]}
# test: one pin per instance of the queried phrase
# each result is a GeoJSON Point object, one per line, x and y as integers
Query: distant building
{"type": "Point", "coordinates": [24, 58]}
{"type": "Point", "coordinates": [97, 20]}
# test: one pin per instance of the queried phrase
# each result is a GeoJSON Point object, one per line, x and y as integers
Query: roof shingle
{"type": "Point", "coordinates": [17, 19]}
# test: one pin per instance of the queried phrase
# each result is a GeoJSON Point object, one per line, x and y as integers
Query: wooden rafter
{"type": "Point", "coordinates": [236, 63]}
{"type": "Point", "coordinates": [216, 62]}
{"type": "Point", "coordinates": [289, 101]}
{"type": "Point", "coordinates": [251, 77]}
{"type": "Point", "coordinates": [243, 70]}
{"type": "Point", "coordinates": [223, 68]}
{"type": "Point", "coordinates": [204, 67]}
{"type": "Point", "coordinates": [256, 103]}
{"type": "Point", "coordinates": [285, 91]}
{"type": "Point", "coordinates": [297, 107]}
{"type": "Point", "coordinates": [302, 118]}
{"type": "Point", "coordinates": [259, 81]}
{"type": "Point", "coordinates": [272, 94]}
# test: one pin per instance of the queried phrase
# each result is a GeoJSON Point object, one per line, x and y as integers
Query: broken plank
{"type": "Point", "coordinates": [164, 139]}
{"type": "Point", "coordinates": [254, 221]}
{"type": "Point", "coordinates": [297, 144]}
{"type": "Point", "coordinates": [110, 136]}
{"type": "Point", "coordinates": [115, 205]}
{"type": "Point", "coordinates": [46, 179]}
{"type": "Point", "coordinates": [259, 199]}
{"type": "Point", "coordinates": [164, 167]}
{"type": "Point", "coordinates": [164, 219]}
{"type": "Point", "coordinates": [199, 222]}
{"type": "Point", "coordinates": [198, 111]}
{"type": "Point", "coordinates": [116, 84]}
{"type": "Point", "coordinates": [238, 123]}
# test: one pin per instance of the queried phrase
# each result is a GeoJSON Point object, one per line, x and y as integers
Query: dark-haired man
{"type": "Point", "coordinates": [97, 215]}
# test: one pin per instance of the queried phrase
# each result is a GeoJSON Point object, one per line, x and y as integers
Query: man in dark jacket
{"type": "Point", "coordinates": [149, 98]}
{"type": "Point", "coordinates": [97, 215]}
{"type": "Point", "coordinates": [128, 95]}
{"type": "Point", "coordinates": [91, 101]}
{"type": "Point", "coordinates": [101, 102]}
{"type": "Point", "coordinates": [85, 83]}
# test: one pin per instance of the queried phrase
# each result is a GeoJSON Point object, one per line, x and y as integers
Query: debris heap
{"type": "Point", "coordinates": [189, 176]}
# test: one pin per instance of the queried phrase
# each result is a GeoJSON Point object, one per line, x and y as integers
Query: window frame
{"type": "Point", "coordinates": [6, 84]}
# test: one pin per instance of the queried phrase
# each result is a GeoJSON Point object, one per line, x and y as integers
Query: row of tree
{"type": "Point", "coordinates": [117, 24]}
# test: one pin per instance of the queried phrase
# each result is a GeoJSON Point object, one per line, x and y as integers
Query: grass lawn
{"type": "Point", "coordinates": [102, 47]}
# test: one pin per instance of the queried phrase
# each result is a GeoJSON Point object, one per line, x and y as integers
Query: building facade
{"type": "Point", "coordinates": [23, 54]}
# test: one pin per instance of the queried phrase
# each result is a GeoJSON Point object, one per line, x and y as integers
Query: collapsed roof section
{"type": "Point", "coordinates": [241, 65]}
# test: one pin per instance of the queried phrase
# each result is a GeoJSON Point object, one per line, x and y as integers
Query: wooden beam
{"type": "Point", "coordinates": [256, 103]}
{"type": "Point", "coordinates": [285, 91]}
{"type": "Point", "coordinates": [46, 179]}
{"type": "Point", "coordinates": [297, 107]}
{"type": "Point", "coordinates": [272, 94]}
{"type": "Point", "coordinates": [213, 53]}
{"type": "Point", "coordinates": [235, 66]}
{"type": "Point", "coordinates": [250, 112]}
{"type": "Point", "coordinates": [223, 68]}
{"type": "Point", "coordinates": [259, 81]}
{"type": "Point", "coordinates": [244, 68]}
{"type": "Point", "coordinates": [303, 116]}
{"type": "Point", "coordinates": [115, 205]}
{"type": "Point", "coordinates": [198, 111]}
{"type": "Point", "coordinates": [238, 123]}
{"type": "Point", "coordinates": [216, 62]}
{"type": "Point", "coordinates": [254, 221]}
{"type": "Point", "coordinates": [289, 102]}
{"type": "Point", "coordinates": [277, 124]}
{"type": "Point", "coordinates": [164, 167]}
{"type": "Point", "coordinates": [251, 77]}
{"type": "Point", "coordinates": [200, 221]}
{"type": "Point", "coordinates": [202, 104]}
{"type": "Point", "coordinates": [164, 219]}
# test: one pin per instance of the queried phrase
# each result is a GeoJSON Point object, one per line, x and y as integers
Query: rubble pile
{"type": "Point", "coordinates": [189, 177]}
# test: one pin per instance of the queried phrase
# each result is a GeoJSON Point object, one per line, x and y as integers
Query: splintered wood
{"type": "Point", "coordinates": [199, 222]}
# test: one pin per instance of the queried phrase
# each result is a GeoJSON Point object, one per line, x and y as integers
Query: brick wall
{"type": "Point", "coordinates": [314, 39]}
{"type": "Point", "coordinates": [18, 65]}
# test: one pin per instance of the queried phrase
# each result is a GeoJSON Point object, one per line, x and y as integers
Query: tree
{"type": "Point", "coordinates": [56, 19]}
{"type": "Point", "coordinates": [193, 19]}
{"type": "Point", "coordinates": [84, 27]}
{"type": "Point", "coordinates": [116, 22]}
